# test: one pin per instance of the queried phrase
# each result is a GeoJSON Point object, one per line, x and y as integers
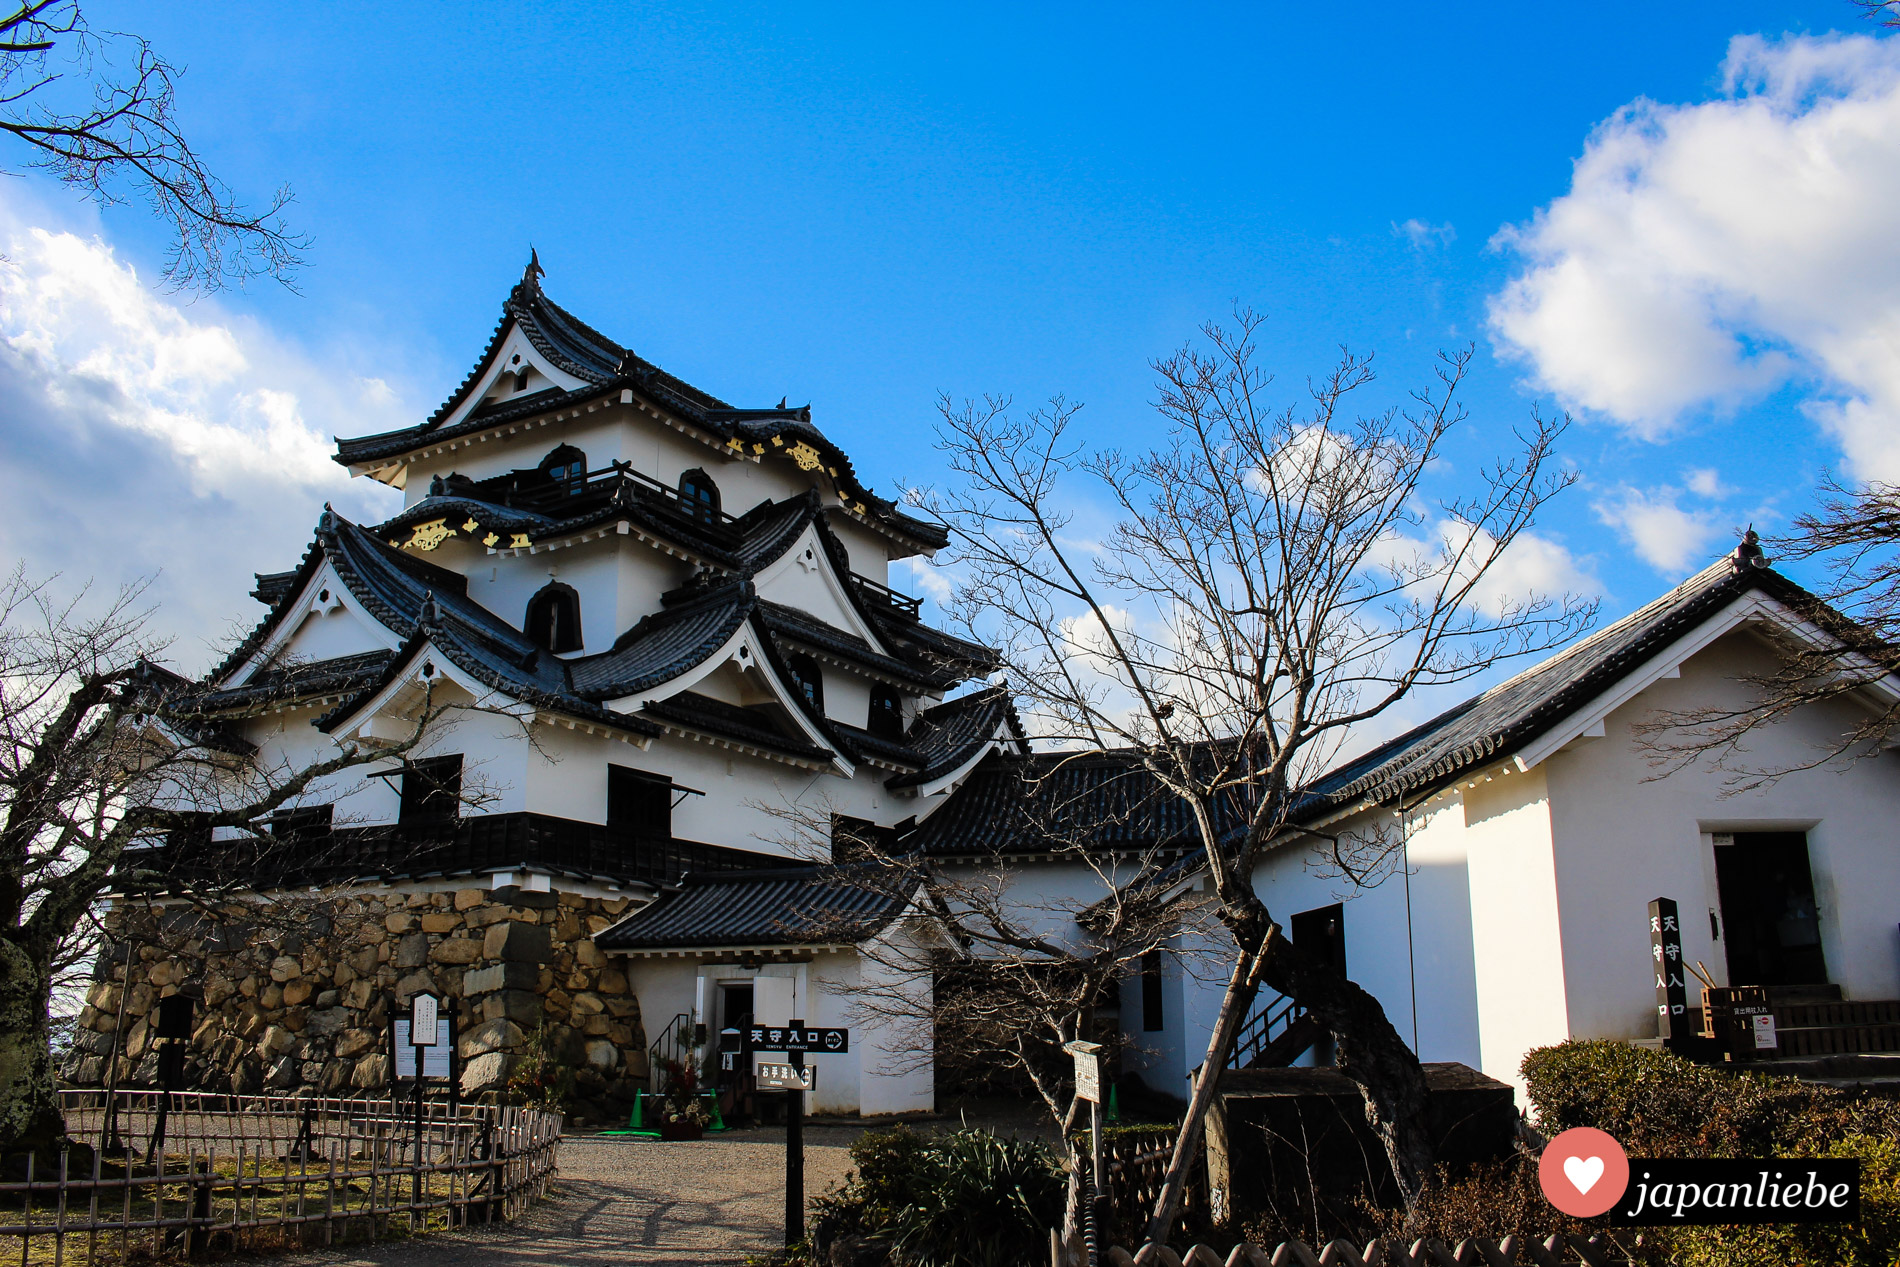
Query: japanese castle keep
{"type": "Point", "coordinates": [674, 616]}
{"type": "Point", "coordinates": [665, 627]}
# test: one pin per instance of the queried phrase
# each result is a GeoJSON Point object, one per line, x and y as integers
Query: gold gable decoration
{"type": "Point", "coordinates": [806, 457]}
{"type": "Point", "coordinates": [430, 535]}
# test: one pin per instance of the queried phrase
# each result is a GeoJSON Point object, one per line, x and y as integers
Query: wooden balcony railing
{"type": "Point", "coordinates": [903, 604]}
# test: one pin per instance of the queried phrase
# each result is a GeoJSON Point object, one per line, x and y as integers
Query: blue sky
{"type": "Point", "coordinates": [862, 207]}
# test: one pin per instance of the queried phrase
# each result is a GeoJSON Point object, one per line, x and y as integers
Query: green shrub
{"type": "Point", "coordinates": [963, 1199]}
{"type": "Point", "coordinates": [985, 1201]}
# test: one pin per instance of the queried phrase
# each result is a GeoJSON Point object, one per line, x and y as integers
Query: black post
{"type": "Point", "coordinates": [1672, 997]}
{"type": "Point", "coordinates": [795, 1153]}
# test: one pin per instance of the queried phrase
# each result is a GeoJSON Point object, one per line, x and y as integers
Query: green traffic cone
{"type": "Point", "coordinates": [1114, 1113]}
{"type": "Point", "coordinates": [639, 1103]}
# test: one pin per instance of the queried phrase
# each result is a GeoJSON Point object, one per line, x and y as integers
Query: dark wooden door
{"type": "Point", "coordinates": [1771, 928]}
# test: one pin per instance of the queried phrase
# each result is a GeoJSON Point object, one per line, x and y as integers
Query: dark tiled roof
{"type": "Point", "coordinates": [930, 649]}
{"type": "Point", "coordinates": [605, 367]}
{"type": "Point", "coordinates": [788, 907]}
{"type": "Point", "coordinates": [1054, 801]}
{"type": "Point", "coordinates": [747, 725]}
{"type": "Point", "coordinates": [281, 684]}
{"type": "Point", "coordinates": [863, 741]}
{"type": "Point", "coordinates": [271, 586]}
{"type": "Point", "coordinates": [1509, 716]}
{"type": "Point", "coordinates": [950, 734]}
{"type": "Point", "coordinates": [666, 644]}
{"type": "Point", "coordinates": [790, 623]}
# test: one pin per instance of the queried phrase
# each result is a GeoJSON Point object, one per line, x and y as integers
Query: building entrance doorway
{"type": "Point", "coordinates": [1771, 928]}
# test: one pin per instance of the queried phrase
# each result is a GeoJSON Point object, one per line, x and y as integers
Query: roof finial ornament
{"type": "Point", "coordinates": [436, 487]}
{"type": "Point", "coordinates": [430, 617]}
{"type": "Point", "coordinates": [531, 275]}
{"type": "Point", "coordinates": [782, 400]}
{"type": "Point", "coordinates": [326, 522]}
{"type": "Point", "coordinates": [1749, 554]}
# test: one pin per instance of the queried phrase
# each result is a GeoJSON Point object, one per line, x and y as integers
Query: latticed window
{"type": "Point", "coordinates": [700, 496]}
{"type": "Point", "coordinates": [566, 465]}
{"type": "Point", "coordinates": [807, 678]}
{"type": "Point", "coordinates": [887, 712]}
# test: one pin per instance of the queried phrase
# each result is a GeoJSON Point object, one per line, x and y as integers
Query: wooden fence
{"type": "Point", "coordinates": [155, 1176]}
{"type": "Point", "coordinates": [1554, 1251]}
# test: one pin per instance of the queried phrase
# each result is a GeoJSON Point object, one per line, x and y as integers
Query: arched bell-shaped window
{"type": "Point", "coordinates": [700, 496]}
{"type": "Point", "coordinates": [566, 465]}
{"type": "Point", "coordinates": [807, 678]}
{"type": "Point", "coordinates": [554, 618]}
{"type": "Point", "coordinates": [887, 712]}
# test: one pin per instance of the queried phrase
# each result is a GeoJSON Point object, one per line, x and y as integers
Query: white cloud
{"type": "Point", "coordinates": [1708, 253]}
{"type": "Point", "coordinates": [1533, 564]}
{"type": "Point", "coordinates": [1706, 481]}
{"type": "Point", "coordinates": [1668, 537]}
{"type": "Point", "coordinates": [1425, 237]}
{"type": "Point", "coordinates": [140, 435]}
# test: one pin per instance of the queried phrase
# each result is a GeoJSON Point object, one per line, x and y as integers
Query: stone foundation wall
{"type": "Point", "coordinates": [304, 1003]}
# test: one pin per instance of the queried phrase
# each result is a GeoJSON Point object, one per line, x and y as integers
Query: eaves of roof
{"type": "Point", "coordinates": [1514, 714]}
{"type": "Point", "coordinates": [718, 718]}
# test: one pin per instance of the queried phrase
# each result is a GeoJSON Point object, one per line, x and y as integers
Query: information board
{"type": "Point", "coordinates": [435, 1060]}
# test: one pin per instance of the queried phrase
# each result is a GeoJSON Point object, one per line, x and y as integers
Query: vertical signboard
{"type": "Point", "coordinates": [1665, 960]}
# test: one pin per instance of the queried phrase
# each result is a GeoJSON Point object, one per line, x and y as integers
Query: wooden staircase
{"type": "Point", "coordinates": [1278, 1033]}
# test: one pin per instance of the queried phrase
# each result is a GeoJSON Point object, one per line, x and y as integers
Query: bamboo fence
{"type": "Point", "coordinates": [153, 1176]}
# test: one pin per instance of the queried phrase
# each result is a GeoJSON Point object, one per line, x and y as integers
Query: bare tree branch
{"type": "Point", "coordinates": [98, 111]}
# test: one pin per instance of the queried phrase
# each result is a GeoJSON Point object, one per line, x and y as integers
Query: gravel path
{"type": "Point", "coordinates": [636, 1201]}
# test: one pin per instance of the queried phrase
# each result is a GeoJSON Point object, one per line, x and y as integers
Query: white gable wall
{"type": "Point", "coordinates": [1622, 840]}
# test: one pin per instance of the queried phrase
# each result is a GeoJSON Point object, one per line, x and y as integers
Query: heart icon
{"type": "Point", "coordinates": [1583, 1172]}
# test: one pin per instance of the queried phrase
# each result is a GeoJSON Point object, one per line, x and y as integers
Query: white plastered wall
{"type": "Point", "coordinates": [1516, 937]}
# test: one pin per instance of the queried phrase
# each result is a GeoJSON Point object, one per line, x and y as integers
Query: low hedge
{"type": "Point", "coordinates": [1656, 1104]}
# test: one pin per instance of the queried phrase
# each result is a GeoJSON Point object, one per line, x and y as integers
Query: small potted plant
{"type": "Point", "coordinates": [682, 1115]}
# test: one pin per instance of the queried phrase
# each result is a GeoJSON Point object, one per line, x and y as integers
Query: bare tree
{"type": "Point", "coordinates": [1014, 973]}
{"type": "Point", "coordinates": [98, 110]}
{"type": "Point", "coordinates": [1275, 577]}
{"type": "Point", "coordinates": [106, 762]}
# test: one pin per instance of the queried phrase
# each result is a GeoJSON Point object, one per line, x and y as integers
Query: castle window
{"type": "Point", "coordinates": [807, 678]}
{"type": "Point", "coordinates": [639, 805]}
{"type": "Point", "coordinates": [554, 618]}
{"type": "Point", "coordinates": [521, 380]}
{"type": "Point", "coordinates": [887, 712]}
{"type": "Point", "coordinates": [566, 465]}
{"type": "Point", "coordinates": [431, 791]}
{"type": "Point", "coordinates": [700, 496]}
{"type": "Point", "coordinates": [1152, 1019]}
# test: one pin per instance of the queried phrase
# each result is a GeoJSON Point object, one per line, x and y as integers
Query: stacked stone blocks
{"type": "Point", "coordinates": [288, 1012]}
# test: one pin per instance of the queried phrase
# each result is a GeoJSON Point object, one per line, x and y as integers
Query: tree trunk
{"type": "Point", "coordinates": [1371, 1053]}
{"type": "Point", "coordinates": [1243, 984]}
{"type": "Point", "coordinates": [29, 1111]}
